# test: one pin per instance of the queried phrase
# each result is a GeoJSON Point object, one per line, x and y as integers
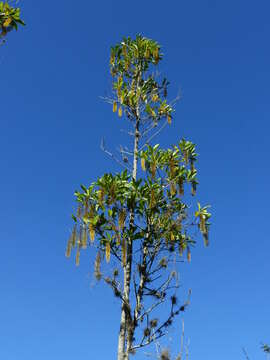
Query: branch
{"type": "Point", "coordinates": [102, 146]}
{"type": "Point", "coordinates": [154, 135]}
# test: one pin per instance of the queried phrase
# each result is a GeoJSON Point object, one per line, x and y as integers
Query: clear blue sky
{"type": "Point", "coordinates": [52, 74]}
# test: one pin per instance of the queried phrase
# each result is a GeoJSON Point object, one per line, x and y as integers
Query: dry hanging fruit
{"type": "Point", "coordinates": [120, 112]}
{"type": "Point", "coordinates": [112, 59]}
{"type": "Point", "coordinates": [68, 250]}
{"type": "Point", "coordinates": [202, 224]}
{"type": "Point", "coordinates": [206, 238]}
{"type": "Point", "coordinates": [181, 248]}
{"type": "Point", "coordinates": [121, 218]}
{"type": "Point", "coordinates": [172, 188]}
{"type": "Point", "coordinates": [155, 54]}
{"type": "Point", "coordinates": [193, 188]}
{"type": "Point", "coordinates": [78, 256]}
{"type": "Point", "coordinates": [186, 156]}
{"type": "Point", "coordinates": [172, 166]}
{"type": "Point", "coordinates": [118, 238]}
{"type": "Point", "coordinates": [152, 199]}
{"type": "Point", "coordinates": [97, 267]}
{"type": "Point", "coordinates": [143, 164]}
{"type": "Point", "coordinates": [153, 169]}
{"type": "Point", "coordinates": [92, 232]}
{"type": "Point", "coordinates": [101, 197]}
{"type": "Point", "coordinates": [108, 251]}
{"type": "Point", "coordinates": [188, 255]}
{"type": "Point", "coordinates": [74, 233]}
{"type": "Point", "coordinates": [84, 238]}
{"type": "Point", "coordinates": [114, 106]}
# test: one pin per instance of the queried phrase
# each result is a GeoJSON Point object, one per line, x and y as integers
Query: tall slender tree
{"type": "Point", "coordinates": [144, 223]}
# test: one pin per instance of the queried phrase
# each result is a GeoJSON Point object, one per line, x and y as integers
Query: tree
{"type": "Point", "coordinates": [9, 18]}
{"type": "Point", "coordinates": [143, 223]}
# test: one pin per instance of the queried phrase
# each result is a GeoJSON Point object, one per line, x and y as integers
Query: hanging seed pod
{"type": "Point", "coordinates": [80, 236]}
{"type": "Point", "coordinates": [124, 252]}
{"type": "Point", "coordinates": [181, 248]}
{"type": "Point", "coordinates": [143, 164]}
{"type": "Point", "coordinates": [114, 106]}
{"type": "Point", "coordinates": [179, 223]}
{"type": "Point", "coordinates": [153, 169]}
{"type": "Point", "coordinates": [108, 251]}
{"type": "Point", "coordinates": [202, 224]}
{"type": "Point", "coordinates": [206, 237]}
{"type": "Point", "coordinates": [172, 188]}
{"type": "Point", "coordinates": [79, 211]}
{"type": "Point", "coordinates": [193, 188]}
{"type": "Point", "coordinates": [124, 50]}
{"type": "Point", "coordinates": [97, 271]}
{"type": "Point", "coordinates": [155, 54]}
{"type": "Point", "coordinates": [92, 232]}
{"type": "Point", "coordinates": [169, 119]}
{"type": "Point", "coordinates": [121, 218]}
{"type": "Point", "coordinates": [118, 238]}
{"type": "Point", "coordinates": [92, 211]}
{"type": "Point", "coordinates": [172, 167]}
{"type": "Point", "coordinates": [101, 196]}
{"type": "Point", "coordinates": [126, 65]}
{"type": "Point", "coordinates": [147, 53]}
{"type": "Point", "coordinates": [74, 236]}
{"type": "Point", "coordinates": [152, 199]}
{"type": "Point", "coordinates": [181, 186]}
{"type": "Point", "coordinates": [85, 208]}
{"type": "Point", "coordinates": [68, 250]}
{"type": "Point", "coordinates": [120, 112]}
{"type": "Point", "coordinates": [192, 168]}
{"type": "Point", "coordinates": [186, 156]}
{"type": "Point", "coordinates": [77, 260]}
{"type": "Point", "coordinates": [188, 255]}
{"type": "Point", "coordinates": [84, 238]}
{"type": "Point", "coordinates": [112, 193]}
{"type": "Point", "coordinates": [172, 236]}
{"type": "Point", "coordinates": [112, 59]}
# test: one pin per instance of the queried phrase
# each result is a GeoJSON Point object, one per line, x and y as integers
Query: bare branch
{"type": "Point", "coordinates": [123, 164]}
{"type": "Point", "coordinates": [154, 135]}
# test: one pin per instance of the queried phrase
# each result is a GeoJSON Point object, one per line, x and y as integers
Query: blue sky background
{"type": "Point", "coordinates": [52, 74]}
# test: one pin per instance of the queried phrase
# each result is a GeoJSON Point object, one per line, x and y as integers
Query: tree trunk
{"type": "Point", "coordinates": [123, 349]}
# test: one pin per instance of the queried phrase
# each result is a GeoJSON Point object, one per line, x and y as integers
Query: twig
{"type": "Point", "coordinates": [102, 146]}
{"type": "Point", "coordinates": [154, 135]}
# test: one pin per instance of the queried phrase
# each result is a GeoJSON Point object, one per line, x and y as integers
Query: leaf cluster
{"type": "Point", "coordinates": [157, 201]}
{"type": "Point", "coordinates": [133, 84]}
{"type": "Point", "coordinates": [9, 18]}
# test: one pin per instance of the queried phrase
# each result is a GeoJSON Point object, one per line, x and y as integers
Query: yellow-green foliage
{"type": "Point", "coordinates": [9, 18]}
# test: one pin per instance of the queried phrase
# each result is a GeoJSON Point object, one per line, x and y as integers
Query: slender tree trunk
{"type": "Point", "coordinates": [123, 350]}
